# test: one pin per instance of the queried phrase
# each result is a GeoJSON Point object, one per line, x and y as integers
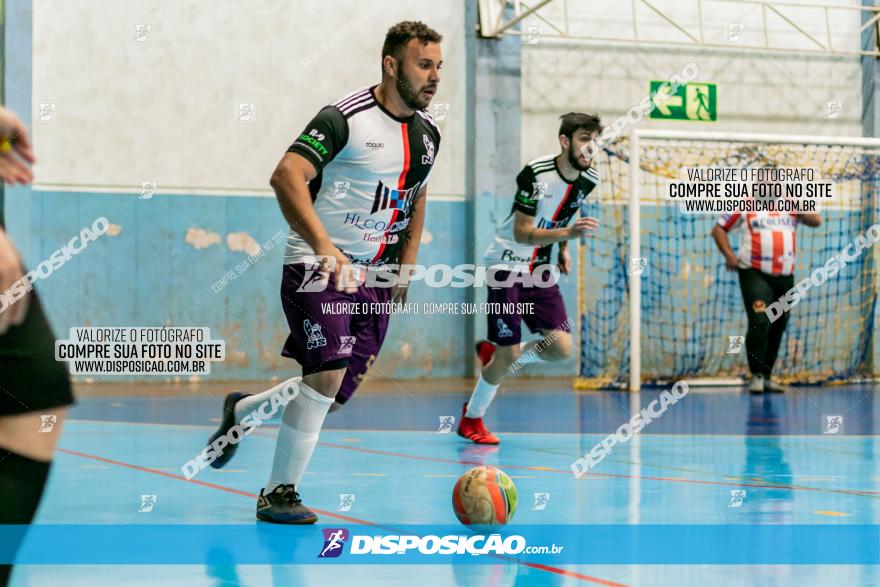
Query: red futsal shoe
{"type": "Point", "coordinates": [485, 351]}
{"type": "Point", "coordinates": [474, 430]}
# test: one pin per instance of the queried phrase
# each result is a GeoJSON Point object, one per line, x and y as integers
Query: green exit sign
{"type": "Point", "coordinates": [691, 101]}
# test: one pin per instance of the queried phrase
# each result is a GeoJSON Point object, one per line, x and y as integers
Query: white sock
{"type": "Point", "coordinates": [298, 435]}
{"type": "Point", "coordinates": [250, 403]}
{"type": "Point", "coordinates": [482, 396]}
{"type": "Point", "coordinates": [528, 354]}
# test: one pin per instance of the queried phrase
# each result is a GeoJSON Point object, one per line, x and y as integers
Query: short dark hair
{"type": "Point", "coordinates": [402, 33]}
{"type": "Point", "coordinates": [574, 121]}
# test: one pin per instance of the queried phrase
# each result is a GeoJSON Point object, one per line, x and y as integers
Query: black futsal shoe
{"type": "Point", "coordinates": [282, 505]}
{"type": "Point", "coordinates": [227, 422]}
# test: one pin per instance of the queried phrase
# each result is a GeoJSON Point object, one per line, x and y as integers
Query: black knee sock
{"type": "Point", "coordinates": [21, 486]}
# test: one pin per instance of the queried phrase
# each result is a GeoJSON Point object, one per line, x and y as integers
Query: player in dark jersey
{"type": "Point", "coordinates": [34, 387]}
{"type": "Point", "coordinates": [550, 191]}
{"type": "Point", "coordinates": [352, 188]}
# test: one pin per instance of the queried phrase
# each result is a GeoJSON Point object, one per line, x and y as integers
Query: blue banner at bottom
{"type": "Point", "coordinates": [359, 544]}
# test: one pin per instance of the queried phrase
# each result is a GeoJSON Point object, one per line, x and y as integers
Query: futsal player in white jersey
{"type": "Point", "coordinates": [550, 191]}
{"type": "Point", "coordinates": [352, 187]}
{"type": "Point", "coordinates": [764, 259]}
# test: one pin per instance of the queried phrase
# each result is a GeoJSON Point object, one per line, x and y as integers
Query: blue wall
{"type": "Point", "coordinates": [149, 276]}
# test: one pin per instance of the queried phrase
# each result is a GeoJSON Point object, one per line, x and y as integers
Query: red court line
{"type": "Point", "coordinates": [540, 567]}
{"type": "Point", "coordinates": [610, 475]}
{"type": "Point", "coordinates": [197, 482]}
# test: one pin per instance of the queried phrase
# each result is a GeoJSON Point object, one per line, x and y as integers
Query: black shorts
{"type": "Point", "coordinates": [31, 380]}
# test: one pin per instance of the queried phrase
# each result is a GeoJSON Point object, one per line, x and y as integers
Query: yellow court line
{"type": "Point", "coordinates": [831, 513]}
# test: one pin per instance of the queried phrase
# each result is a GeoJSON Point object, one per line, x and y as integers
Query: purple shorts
{"type": "Point", "coordinates": [548, 311]}
{"type": "Point", "coordinates": [324, 336]}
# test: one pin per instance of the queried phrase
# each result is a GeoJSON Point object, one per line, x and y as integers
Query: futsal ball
{"type": "Point", "coordinates": [484, 496]}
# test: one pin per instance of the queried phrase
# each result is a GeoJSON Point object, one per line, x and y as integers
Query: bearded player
{"type": "Point", "coordinates": [352, 188]}
{"type": "Point", "coordinates": [550, 191]}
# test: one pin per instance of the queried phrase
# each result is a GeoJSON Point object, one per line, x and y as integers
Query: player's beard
{"type": "Point", "coordinates": [409, 94]}
{"type": "Point", "coordinates": [574, 158]}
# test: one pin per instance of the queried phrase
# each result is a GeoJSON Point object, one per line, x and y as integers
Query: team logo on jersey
{"type": "Point", "coordinates": [314, 334]}
{"type": "Point", "coordinates": [773, 222]}
{"type": "Point", "coordinates": [503, 330]}
{"type": "Point", "coordinates": [315, 139]}
{"type": "Point", "coordinates": [428, 158]}
{"type": "Point", "coordinates": [386, 198]}
{"type": "Point", "coordinates": [539, 189]}
{"type": "Point", "coordinates": [381, 239]}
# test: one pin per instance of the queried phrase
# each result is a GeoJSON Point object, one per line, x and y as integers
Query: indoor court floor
{"type": "Point", "coordinates": [690, 466]}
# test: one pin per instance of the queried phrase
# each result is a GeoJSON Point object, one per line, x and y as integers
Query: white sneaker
{"type": "Point", "coordinates": [756, 385]}
{"type": "Point", "coordinates": [772, 387]}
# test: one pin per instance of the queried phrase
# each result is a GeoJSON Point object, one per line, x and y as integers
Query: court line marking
{"type": "Point", "coordinates": [540, 567]}
{"type": "Point", "coordinates": [270, 425]}
{"type": "Point", "coordinates": [875, 494]}
{"type": "Point", "coordinates": [864, 493]}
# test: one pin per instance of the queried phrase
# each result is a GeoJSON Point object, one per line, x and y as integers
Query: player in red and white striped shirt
{"type": "Point", "coordinates": [764, 258]}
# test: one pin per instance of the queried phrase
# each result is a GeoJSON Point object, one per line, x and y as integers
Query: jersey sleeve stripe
{"type": "Point", "coordinates": [358, 104]}
{"type": "Point", "coordinates": [541, 168]}
{"type": "Point", "coordinates": [344, 101]}
{"type": "Point", "coordinates": [349, 113]}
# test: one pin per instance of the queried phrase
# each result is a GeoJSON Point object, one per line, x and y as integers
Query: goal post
{"type": "Point", "coordinates": [674, 318]}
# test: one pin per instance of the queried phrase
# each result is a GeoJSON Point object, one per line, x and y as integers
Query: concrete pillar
{"type": "Point", "coordinates": [494, 105]}
{"type": "Point", "coordinates": [870, 128]}
{"type": "Point", "coordinates": [17, 41]}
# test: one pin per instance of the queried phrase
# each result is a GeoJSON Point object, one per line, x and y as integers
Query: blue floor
{"type": "Point", "coordinates": [386, 451]}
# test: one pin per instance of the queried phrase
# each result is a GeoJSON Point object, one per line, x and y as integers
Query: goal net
{"type": "Point", "coordinates": [686, 304]}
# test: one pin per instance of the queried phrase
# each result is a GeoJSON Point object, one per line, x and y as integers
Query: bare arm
{"type": "Point", "coordinates": [16, 155]}
{"type": "Point", "coordinates": [409, 248]}
{"type": "Point", "coordinates": [723, 243]}
{"type": "Point", "coordinates": [412, 235]}
{"type": "Point", "coordinates": [524, 230]}
{"type": "Point", "coordinates": [290, 182]}
{"type": "Point", "coordinates": [811, 219]}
